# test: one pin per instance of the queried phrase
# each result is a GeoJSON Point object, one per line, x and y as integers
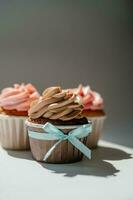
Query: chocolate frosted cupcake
{"type": "Point", "coordinates": [56, 112]}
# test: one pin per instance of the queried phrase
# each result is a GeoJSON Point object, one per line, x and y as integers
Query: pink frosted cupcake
{"type": "Point", "coordinates": [93, 110]}
{"type": "Point", "coordinates": [14, 104]}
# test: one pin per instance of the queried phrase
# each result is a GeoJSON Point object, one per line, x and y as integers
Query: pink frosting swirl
{"type": "Point", "coordinates": [18, 97]}
{"type": "Point", "coordinates": [91, 100]}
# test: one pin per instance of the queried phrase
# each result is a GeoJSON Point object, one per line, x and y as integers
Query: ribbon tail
{"type": "Point", "coordinates": [79, 145]}
{"type": "Point", "coordinates": [51, 150]}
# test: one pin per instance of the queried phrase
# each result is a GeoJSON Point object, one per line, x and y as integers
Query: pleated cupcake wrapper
{"type": "Point", "coordinates": [13, 133]}
{"type": "Point", "coordinates": [97, 128]}
{"type": "Point", "coordinates": [65, 152]}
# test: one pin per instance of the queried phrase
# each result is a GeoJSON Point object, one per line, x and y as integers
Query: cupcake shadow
{"type": "Point", "coordinates": [97, 166]}
{"type": "Point", "coordinates": [27, 155]}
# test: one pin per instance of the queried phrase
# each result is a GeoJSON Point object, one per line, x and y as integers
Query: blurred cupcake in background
{"type": "Point", "coordinates": [94, 110]}
{"type": "Point", "coordinates": [14, 105]}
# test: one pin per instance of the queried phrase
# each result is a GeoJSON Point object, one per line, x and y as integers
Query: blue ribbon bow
{"type": "Point", "coordinates": [53, 133]}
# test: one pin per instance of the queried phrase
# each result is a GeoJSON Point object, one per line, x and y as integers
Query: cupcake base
{"type": "Point", "coordinates": [65, 152]}
{"type": "Point", "coordinates": [15, 112]}
{"type": "Point", "coordinates": [97, 127]}
{"type": "Point", "coordinates": [42, 120]}
{"type": "Point", "coordinates": [97, 117]}
{"type": "Point", "coordinates": [13, 133]}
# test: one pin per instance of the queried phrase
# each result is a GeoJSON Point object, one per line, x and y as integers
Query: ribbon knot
{"type": "Point", "coordinates": [65, 137]}
{"type": "Point", "coordinates": [51, 132]}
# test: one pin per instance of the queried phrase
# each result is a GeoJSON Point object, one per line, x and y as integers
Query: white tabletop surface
{"type": "Point", "coordinates": [109, 175]}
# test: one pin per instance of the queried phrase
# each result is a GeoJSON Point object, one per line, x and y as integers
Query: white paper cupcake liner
{"type": "Point", "coordinates": [13, 133]}
{"type": "Point", "coordinates": [97, 127]}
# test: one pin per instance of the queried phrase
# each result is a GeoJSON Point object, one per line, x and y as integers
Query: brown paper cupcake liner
{"type": "Point", "coordinates": [65, 152]}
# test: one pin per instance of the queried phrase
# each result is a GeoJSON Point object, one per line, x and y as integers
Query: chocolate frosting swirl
{"type": "Point", "coordinates": [56, 103]}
